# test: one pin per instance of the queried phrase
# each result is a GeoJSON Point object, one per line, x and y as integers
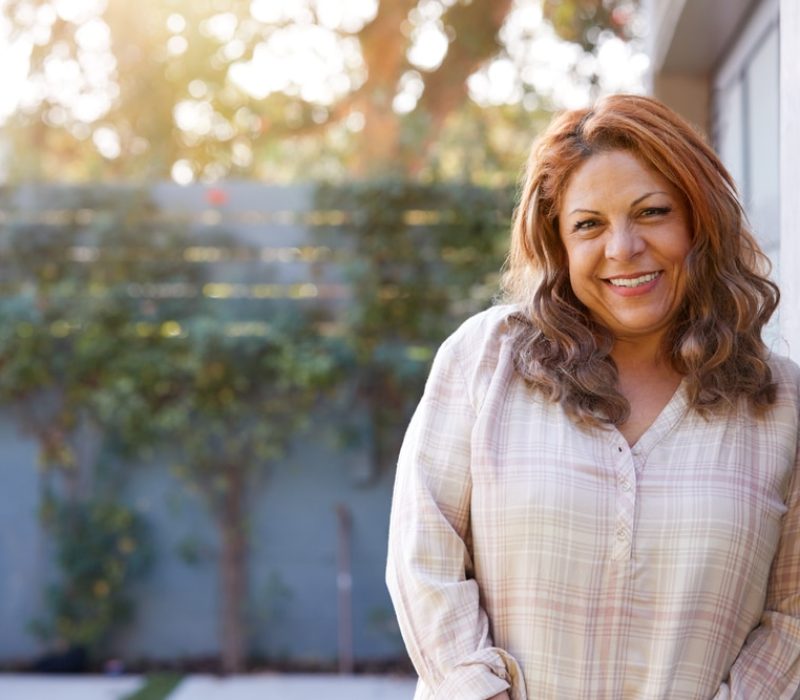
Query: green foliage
{"type": "Point", "coordinates": [581, 21]}
{"type": "Point", "coordinates": [157, 686]}
{"type": "Point", "coordinates": [95, 242]}
{"type": "Point", "coordinates": [101, 548]}
{"type": "Point", "coordinates": [191, 551]}
{"type": "Point", "coordinates": [72, 336]}
{"type": "Point", "coordinates": [234, 403]}
{"type": "Point", "coordinates": [272, 600]}
{"type": "Point", "coordinates": [424, 257]}
{"type": "Point", "coordinates": [71, 355]}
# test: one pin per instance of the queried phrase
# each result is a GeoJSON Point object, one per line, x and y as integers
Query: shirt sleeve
{"type": "Point", "coordinates": [768, 667]}
{"type": "Point", "coordinates": [428, 574]}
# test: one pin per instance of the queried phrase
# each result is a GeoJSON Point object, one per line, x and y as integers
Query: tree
{"type": "Point", "coordinates": [236, 405]}
{"type": "Point", "coordinates": [205, 89]}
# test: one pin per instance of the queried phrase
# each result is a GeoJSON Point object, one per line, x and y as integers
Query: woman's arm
{"type": "Point", "coordinates": [768, 666]}
{"type": "Point", "coordinates": [437, 602]}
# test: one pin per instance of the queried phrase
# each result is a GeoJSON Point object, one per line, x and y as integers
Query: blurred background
{"type": "Point", "coordinates": [232, 235]}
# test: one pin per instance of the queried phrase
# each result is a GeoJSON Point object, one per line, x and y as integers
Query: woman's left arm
{"type": "Point", "coordinates": [768, 666]}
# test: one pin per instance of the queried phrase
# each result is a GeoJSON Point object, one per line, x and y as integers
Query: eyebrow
{"type": "Point", "coordinates": [633, 204]}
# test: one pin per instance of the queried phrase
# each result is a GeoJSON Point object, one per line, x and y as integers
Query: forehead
{"type": "Point", "coordinates": [611, 176]}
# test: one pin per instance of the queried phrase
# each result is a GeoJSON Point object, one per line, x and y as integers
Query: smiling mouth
{"type": "Point", "coordinates": [633, 281]}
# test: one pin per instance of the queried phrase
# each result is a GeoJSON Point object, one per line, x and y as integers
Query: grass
{"type": "Point", "coordinates": [157, 686]}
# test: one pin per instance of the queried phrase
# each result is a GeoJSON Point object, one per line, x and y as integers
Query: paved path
{"type": "Point", "coordinates": [294, 687]}
{"type": "Point", "coordinates": [29, 687]}
{"type": "Point", "coordinates": [265, 686]}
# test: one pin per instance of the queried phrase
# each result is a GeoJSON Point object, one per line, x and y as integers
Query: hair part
{"type": "Point", "coordinates": [715, 341]}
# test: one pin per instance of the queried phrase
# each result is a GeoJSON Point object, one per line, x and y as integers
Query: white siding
{"type": "Point", "coordinates": [746, 106]}
{"type": "Point", "coordinates": [790, 175]}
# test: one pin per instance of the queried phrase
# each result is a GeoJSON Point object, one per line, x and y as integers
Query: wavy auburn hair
{"type": "Point", "coordinates": [715, 340]}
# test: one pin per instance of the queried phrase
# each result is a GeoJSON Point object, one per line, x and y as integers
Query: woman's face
{"type": "Point", "coordinates": [626, 234]}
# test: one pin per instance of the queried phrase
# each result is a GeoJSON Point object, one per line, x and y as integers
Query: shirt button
{"type": "Point", "coordinates": [621, 532]}
{"type": "Point", "coordinates": [625, 484]}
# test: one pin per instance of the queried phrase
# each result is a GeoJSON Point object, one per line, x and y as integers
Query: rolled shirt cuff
{"type": "Point", "coordinates": [481, 675]}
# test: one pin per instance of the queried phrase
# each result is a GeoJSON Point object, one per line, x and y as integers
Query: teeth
{"type": "Point", "coordinates": [634, 281]}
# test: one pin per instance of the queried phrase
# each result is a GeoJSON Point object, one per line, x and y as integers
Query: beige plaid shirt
{"type": "Point", "coordinates": [528, 554]}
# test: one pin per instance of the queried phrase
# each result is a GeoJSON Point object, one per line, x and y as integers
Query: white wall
{"type": "Point", "coordinates": [790, 175]}
{"type": "Point", "coordinates": [745, 126]}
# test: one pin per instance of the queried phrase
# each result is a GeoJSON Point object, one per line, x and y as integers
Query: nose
{"type": "Point", "coordinates": [623, 242]}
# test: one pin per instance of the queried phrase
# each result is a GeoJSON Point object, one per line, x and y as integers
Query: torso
{"type": "Point", "coordinates": [596, 562]}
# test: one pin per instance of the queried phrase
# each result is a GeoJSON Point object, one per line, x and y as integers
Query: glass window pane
{"type": "Point", "coordinates": [762, 76]}
{"type": "Point", "coordinates": [730, 132]}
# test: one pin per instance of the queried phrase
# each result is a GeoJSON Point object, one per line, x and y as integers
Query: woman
{"type": "Point", "coordinates": [599, 494]}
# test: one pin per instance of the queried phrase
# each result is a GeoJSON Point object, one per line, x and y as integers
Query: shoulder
{"type": "Point", "coordinates": [786, 374]}
{"type": "Point", "coordinates": [784, 369]}
{"type": "Point", "coordinates": [482, 349]}
{"type": "Point", "coordinates": [483, 334]}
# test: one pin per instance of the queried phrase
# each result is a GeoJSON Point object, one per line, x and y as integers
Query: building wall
{"type": "Point", "coordinates": [790, 174]}
{"type": "Point", "coordinates": [686, 41]}
{"type": "Point", "coordinates": [745, 127]}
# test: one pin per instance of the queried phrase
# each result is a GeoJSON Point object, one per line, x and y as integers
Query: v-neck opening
{"type": "Point", "coordinates": [663, 423]}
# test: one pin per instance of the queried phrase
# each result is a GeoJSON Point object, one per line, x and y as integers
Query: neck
{"type": "Point", "coordinates": [641, 356]}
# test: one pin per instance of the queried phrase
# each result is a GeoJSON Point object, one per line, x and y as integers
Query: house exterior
{"type": "Point", "coordinates": [723, 65]}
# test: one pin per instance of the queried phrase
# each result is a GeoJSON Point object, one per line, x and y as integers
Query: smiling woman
{"type": "Point", "coordinates": [599, 494]}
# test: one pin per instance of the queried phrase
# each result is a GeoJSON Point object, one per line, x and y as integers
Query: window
{"type": "Point", "coordinates": [746, 104]}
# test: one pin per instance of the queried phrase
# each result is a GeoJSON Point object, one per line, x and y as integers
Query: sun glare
{"type": "Point", "coordinates": [15, 59]}
{"type": "Point", "coordinates": [307, 49]}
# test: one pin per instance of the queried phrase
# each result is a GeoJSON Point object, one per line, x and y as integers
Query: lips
{"type": "Point", "coordinates": [634, 280]}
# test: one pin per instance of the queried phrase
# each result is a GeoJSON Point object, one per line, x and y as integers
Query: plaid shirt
{"type": "Point", "coordinates": [528, 554]}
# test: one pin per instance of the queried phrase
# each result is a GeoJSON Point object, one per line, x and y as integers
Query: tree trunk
{"type": "Point", "coordinates": [383, 46]}
{"type": "Point", "coordinates": [233, 571]}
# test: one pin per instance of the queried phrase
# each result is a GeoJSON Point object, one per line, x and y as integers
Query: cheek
{"type": "Point", "coordinates": [581, 261]}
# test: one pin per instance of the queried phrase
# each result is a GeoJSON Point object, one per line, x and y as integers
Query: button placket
{"type": "Point", "coordinates": [625, 501]}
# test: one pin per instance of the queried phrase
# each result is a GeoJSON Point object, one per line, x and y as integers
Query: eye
{"type": "Point", "coordinates": [656, 211]}
{"type": "Point", "coordinates": [585, 225]}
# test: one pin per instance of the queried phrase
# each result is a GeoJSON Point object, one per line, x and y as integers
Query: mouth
{"type": "Point", "coordinates": [631, 282]}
